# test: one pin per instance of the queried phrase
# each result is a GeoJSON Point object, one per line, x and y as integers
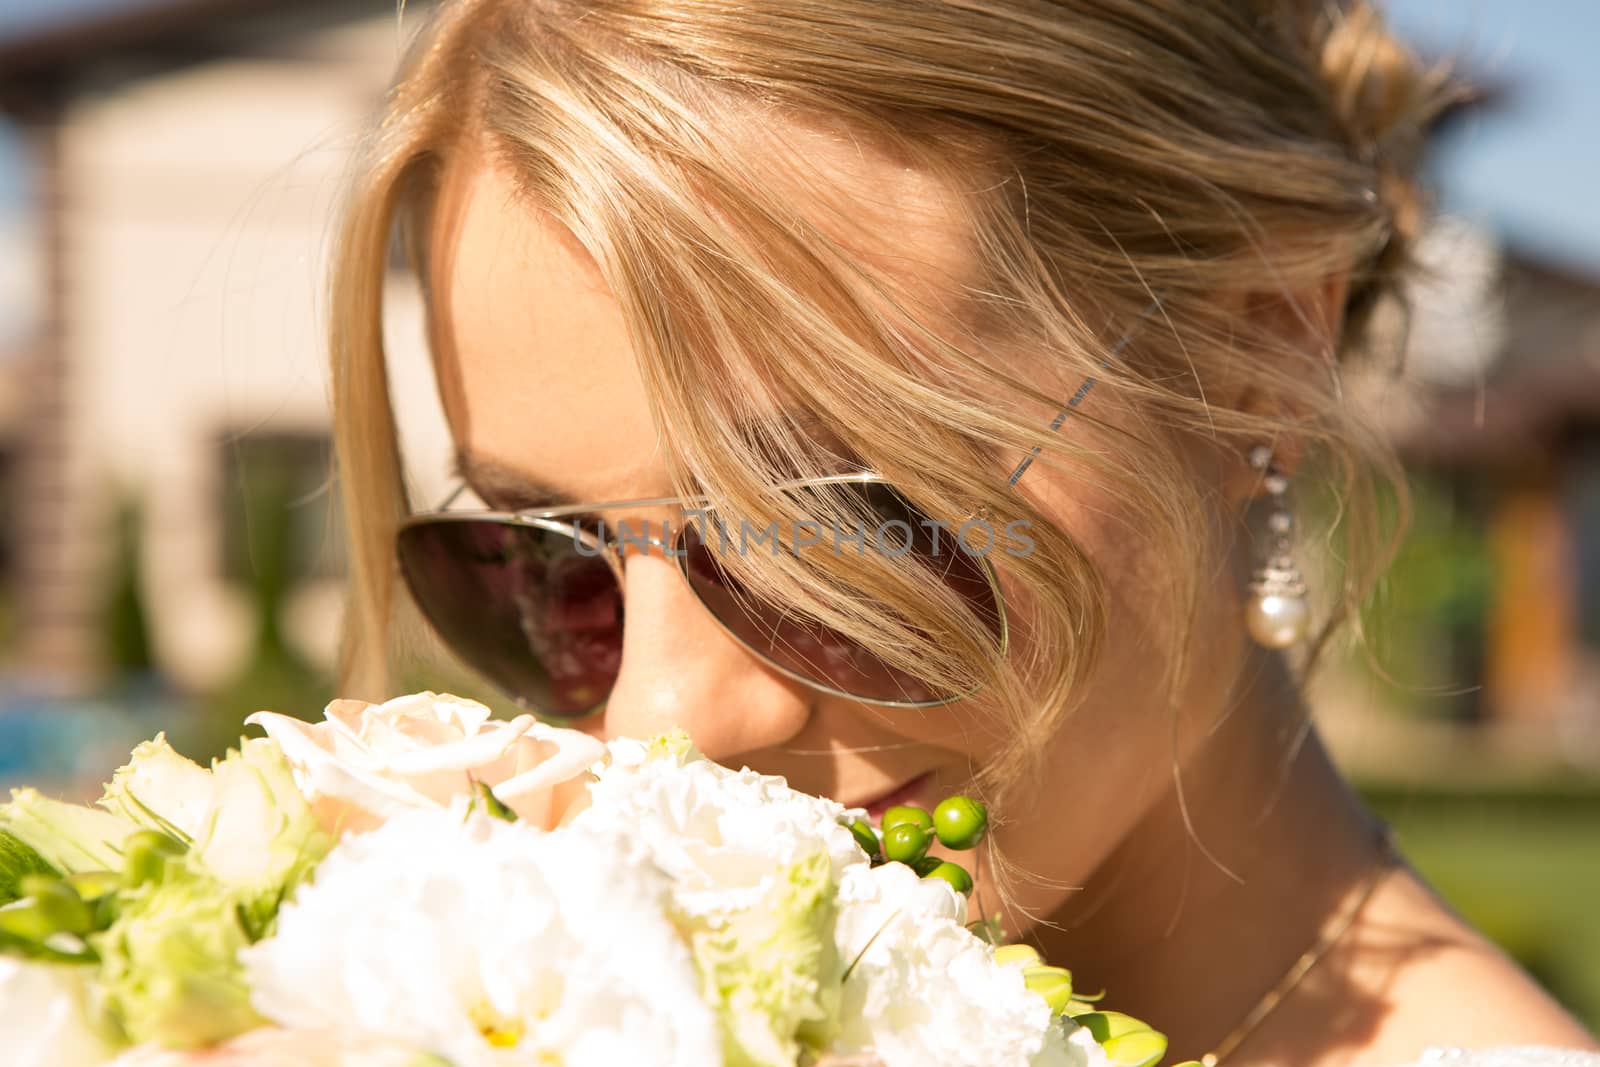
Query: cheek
{"type": "Point", "coordinates": [1111, 758]}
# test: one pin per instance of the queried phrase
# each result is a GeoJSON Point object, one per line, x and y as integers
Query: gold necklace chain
{"type": "Point", "coordinates": [1387, 857]}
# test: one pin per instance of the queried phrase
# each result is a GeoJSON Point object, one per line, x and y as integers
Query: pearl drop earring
{"type": "Point", "coordinates": [1278, 613]}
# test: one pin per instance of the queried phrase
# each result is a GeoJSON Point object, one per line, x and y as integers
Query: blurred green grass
{"type": "Point", "coordinates": [1522, 865]}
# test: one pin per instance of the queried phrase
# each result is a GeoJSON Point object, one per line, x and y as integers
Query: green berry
{"type": "Point", "coordinates": [953, 873]}
{"type": "Point", "coordinates": [907, 813]}
{"type": "Point", "coordinates": [906, 843]}
{"type": "Point", "coordinates": [861, 829]}
{"type": "Point", "coordinates": [926, 865]}
{"type": "Point", "coordinates": [960, 822]}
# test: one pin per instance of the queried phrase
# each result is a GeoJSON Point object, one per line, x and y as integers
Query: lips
{"type": "Point", "coordinates": [906, 793]}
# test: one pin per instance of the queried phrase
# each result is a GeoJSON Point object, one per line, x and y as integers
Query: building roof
{"type": "Point", "coordinates": [1531, 418]}
{"type": "Point", "coordinates": [1545, 387]}
{"type": "Point", "coordinates": [39, 54]}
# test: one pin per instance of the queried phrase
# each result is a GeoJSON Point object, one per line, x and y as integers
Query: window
{"type": "Point", "coordinates": [10, 498]}
{"type": "Point", "coordinates": [280, 520]}
{"type": "Point", "coordinates": [1583, 503]}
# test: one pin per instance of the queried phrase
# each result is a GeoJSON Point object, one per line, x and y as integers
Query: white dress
{"type": "Point", "coordinates": [1507, 1056]}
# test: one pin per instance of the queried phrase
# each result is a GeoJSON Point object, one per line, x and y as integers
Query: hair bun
{"type": "Point", "coordinates": [1385, 100]}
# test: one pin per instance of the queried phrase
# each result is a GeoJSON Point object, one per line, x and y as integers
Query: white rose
{"type": "Point", "coordinates": [370, 762]}
{"type": "Point", "coordinates": [247, 821]}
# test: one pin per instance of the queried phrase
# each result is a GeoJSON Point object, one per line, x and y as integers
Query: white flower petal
{"type": "Point", "coordinates": [44, 1018]}
{"type": "Point", "coordinates": [158, 779]}
{"type": "Point", "coordinates": [558, 941]}
{"type": "Point", "coordinates": [370, 762]}
{"type": "Point", "coordinates": [920, 979]}
{"type": "Point", "coordinates": [722, 835]}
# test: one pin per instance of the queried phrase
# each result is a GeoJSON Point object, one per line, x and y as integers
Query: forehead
{"type": "Point", "coordinates": [535, 368]}
{"type": "Point", "coordinates": [531, 352]}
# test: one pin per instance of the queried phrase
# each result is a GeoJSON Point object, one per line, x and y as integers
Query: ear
{"type": "Point", "coordinates": [1307, 321]}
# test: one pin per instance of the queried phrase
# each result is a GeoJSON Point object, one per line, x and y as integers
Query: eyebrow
{"type": "Point", "coordinates": [506, 487]}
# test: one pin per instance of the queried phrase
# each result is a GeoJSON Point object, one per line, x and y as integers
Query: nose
{"type": "Point", "coordinates": [681, 668]}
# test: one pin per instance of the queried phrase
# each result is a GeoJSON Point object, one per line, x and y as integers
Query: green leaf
{"type": "Point", "coordinates": [70, 837]}
{"type": "Point", "coordinates": [17, 861]}
{"type": "Point", "coordinates": [1127, 1041]}
{"type": "Point", "coordinates": [493, 804]}
{"type": "Point", "coordinates": [1054, 984]}
{"type": "Point", "coordinates": [1142, 1048]}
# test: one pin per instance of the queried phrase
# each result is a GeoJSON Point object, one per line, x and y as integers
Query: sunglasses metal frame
{"type": "Point", "coordinates": [550, 521]}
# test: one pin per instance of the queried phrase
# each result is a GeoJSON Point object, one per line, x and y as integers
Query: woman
{"type": "Point", "coordinates": [805, 283]}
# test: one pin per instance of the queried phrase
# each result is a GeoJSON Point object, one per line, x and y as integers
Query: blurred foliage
{"type": "Point", "coordinates": [284, 470]}
{"type": "Point", "coordinates": [1428, 624]}
{"type": "Point", "coordinates": [126, 627]}
{"type": "Point", "coordinates": [10, 501]}
{"type": "Point", "coordinates": [268, 484]}
{"type": "Point", "coordinates": [1444, 573]}
{"type": "Point", "coordinates": [1424, 621]}
{"type": "Point", "coordinates": [8, 616]}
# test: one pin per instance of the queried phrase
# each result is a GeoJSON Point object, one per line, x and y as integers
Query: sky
{"type": "Point", "coordinates": [20, 16]}
{"type": "Point", "coordinates": [1530, 171]}
{"type": "Point", "coordinates": [23, 12]}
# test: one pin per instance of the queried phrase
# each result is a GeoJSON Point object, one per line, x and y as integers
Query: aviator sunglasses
{"type": "Point", "coordinates": [532, 600]}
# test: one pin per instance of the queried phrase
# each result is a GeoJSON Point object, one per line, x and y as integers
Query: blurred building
{"type": "Point", "coordinates": [1521, 449]}
{"type": "Point", "coordinates": [1490, 619]}
{"type": "Point", "coordinates": [186, 160]}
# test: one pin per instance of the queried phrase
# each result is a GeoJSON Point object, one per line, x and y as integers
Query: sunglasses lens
{"type": "Point", "coordinates": [522, 605]}
{"type": "Point", "coordinates": [823, 656]}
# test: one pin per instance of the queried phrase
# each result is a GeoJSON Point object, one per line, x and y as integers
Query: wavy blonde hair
{"type": "Point", "coordinates": [1099, 152]}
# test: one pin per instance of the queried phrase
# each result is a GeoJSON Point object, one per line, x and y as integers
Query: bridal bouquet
{"type": "Point", "coordinates": [415, 884]}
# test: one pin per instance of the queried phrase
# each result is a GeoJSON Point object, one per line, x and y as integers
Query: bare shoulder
{"type": "Point", "coordinates": [1412, 976]}
{"type": "Point", "coordinates": [1430, 980]}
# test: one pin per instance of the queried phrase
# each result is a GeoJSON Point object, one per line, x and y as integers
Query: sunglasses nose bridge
{"type": "Point", "coordinates": [654, 532]}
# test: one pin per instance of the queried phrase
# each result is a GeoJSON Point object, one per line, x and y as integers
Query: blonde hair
{"type": "Point", "coordinates": [1099, 152]}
